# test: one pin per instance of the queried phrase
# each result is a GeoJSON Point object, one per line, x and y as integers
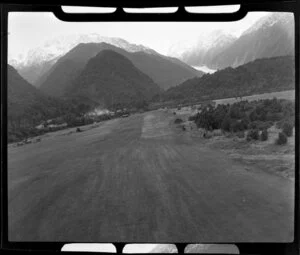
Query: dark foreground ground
{"type": "Point", "coordinates": [140, 179]}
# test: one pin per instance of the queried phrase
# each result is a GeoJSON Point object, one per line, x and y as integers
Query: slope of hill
{"type": "Point", "coordinates": [164, 71]}
{"type": "Point", "coordinates": [64, 73]}
{"type": "Point", "coordinates": [111, 80]}
{"type": "Point", "coordinates": [259, 76]}
{"type": "Point", "coordinates": [27, 106]}
{"type": "Point", "coordinates": [33, 71]}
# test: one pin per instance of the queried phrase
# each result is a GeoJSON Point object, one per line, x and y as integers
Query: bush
{"type": "Point", "coordinates": [178, 121]}
{"type": "Point", "coordinates": [252, 135]}
{"type": "Point", "coordinates": [226, 123]}
{"type": "Point", "coordinates": [192, 118]}
{"type": "Point", "coordinates": [237, 125]}
{"type": "Point", "coordinates": [208, 134]}
{"type": "Point", "coordinates": [245, 123]}
{"type": "Point", "coordinates": [287, 129]}
{"type": "Point", "coordinates": [274, 116]}
{"type": "Point", "coordinates": [217, 132]}
{"type": "Point", "coordinates": [288, 119]}
{"type": "Point", "coordinates": [260, 125]}
{"type": "Point", "coordinates": [282, 139]}
{"type": "Point", "coordinates": [264, 135]}
{"type": "Point", "coordinates": [237, 117]}
{"type": "Point", "coordinates": [240, 134]}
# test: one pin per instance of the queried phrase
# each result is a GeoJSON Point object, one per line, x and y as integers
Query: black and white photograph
{"type": "Point", "coordinates": [151, 132]}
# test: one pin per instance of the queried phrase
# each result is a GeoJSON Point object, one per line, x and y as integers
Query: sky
{"type": "Point", "coordinates": [30, 30]}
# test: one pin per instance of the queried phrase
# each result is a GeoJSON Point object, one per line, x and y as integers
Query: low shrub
{"type": "Point", "coordinates": [208, 134]}
{"type": "Point", "coordinates": [235, 126]}
{"type": "Point", "coordinates": [245, 123]}
{"type": "Point", "coordinates": [253, 134]}
{"type": "Point", "coordinates": [282, 139]}
{"type": "Point", "coordinates": [217, 132]}
{"type": "Point", "coordinates": [290, 120]}
{"type": "Point", "coordinates": [274, 116]}
{"type": "Point", "coordinates": [260, 125]}
{"type": "Point", "coordinates": [264, 135]}
{"type": "Point", "coordinates": [192, 118]}
{"type": "Point", "coordinates": [287, 129]}
{"type": "Point", "coordinates": [178, 121]}
{"type": "Point", "coordinates": [226, 124]}
{"type": "Point", "coordinates": [240, 134]}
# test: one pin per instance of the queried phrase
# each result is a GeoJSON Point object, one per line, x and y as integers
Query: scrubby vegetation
{"type": "Point", "coordinates": [253, 134]}
{"type": "Point", "coordinates": [264, 135]}
{"type": "Point", "coordinates": [255, 116]}
{"type": "Point", "coordinates": [178, 121]}
{"type": "Point", "coordinates": [282, 139]}
{"type": "Point", "coordinates": [287, 129]}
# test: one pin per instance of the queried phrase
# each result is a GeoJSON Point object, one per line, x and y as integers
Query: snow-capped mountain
{"type": "Point", "coordinates": [204, 49]}
{"type": "Point", "coordinates": [35, 62]}
{"type": "Point", "coordinates": [270, 36]}
{"type": "Point", "coordinates": [283, 19]}
{"type": "Point", "coordinates": [194, 52]}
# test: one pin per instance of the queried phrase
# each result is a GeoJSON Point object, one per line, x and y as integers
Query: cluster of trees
{"type": "Point", "coordinates": [255, 116]}
{"type": "Point", "coordinates": [22, 119]}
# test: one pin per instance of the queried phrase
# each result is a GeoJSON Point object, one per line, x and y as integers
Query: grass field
{"type": "Point", "coordinates": [288, 94]}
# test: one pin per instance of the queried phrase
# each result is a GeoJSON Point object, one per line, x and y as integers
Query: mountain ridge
{"type": "Point", "coordinates": [164, 71]}
{"type": "Point", "coordinates": [111, 80]}
{"type": "Point", "coordinates": [259, 76]}
{"type": "Point", "coordinates": [35, 62]}
{"type": "Point", "coordinates": [270, 36]}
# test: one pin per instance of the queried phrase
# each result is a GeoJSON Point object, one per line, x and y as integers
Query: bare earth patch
{"type": "Point", "coordinates": [267, 156]}
{"type": "Point", "coordinates": [155, 126]}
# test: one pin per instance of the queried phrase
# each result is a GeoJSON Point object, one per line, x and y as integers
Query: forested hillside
{"type": "Point", "coordinates": [164, 71]}
{"type": "Point", "coordinates": [259, 76]}
{"type": "Point", "coordinates": [111, 80]}
{"type": "Point", "coordinates": [27, 106]}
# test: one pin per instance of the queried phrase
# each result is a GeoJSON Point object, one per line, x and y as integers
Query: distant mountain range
{"type": "Point", "coordinates": [36, 64]}
{"type": "Point", "coordinates": [112, 81]}
{"type": "Point", "coordinates": [270, 36]}
{"type": "Point", "coordinates": [164, 71]}
{"type": "Point", "coordinates": [259, 76]}
{"type": "Point", "coordinates": [204, 51]}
